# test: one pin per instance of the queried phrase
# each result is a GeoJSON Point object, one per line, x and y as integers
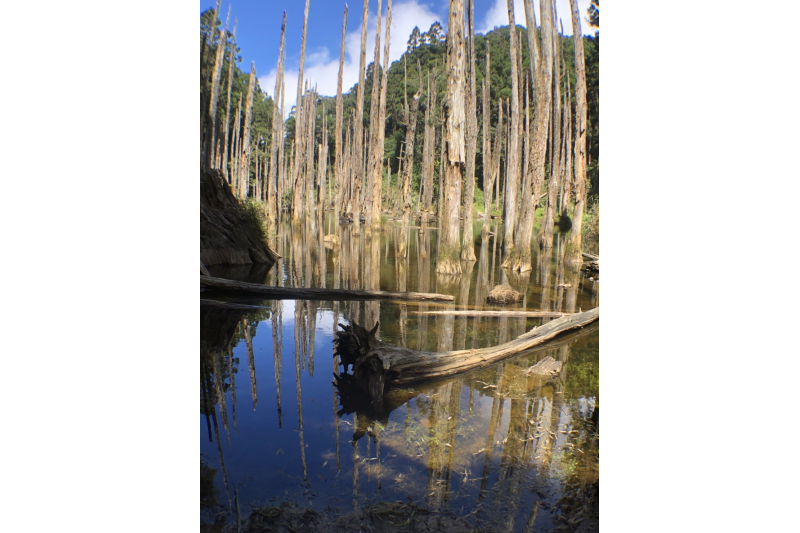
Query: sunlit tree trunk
{"type": "Point", "coordinates": [573, 253]}
{"type": "Point", "coordinates": [235, 148]}
{"type": "Point", "coordinates": [338, 169]}
{"type": "Point", "coordinates": [299, 124]}
{"type": "Point", "coordinates": [467, 240]}
{"type": "Point", "coordinates": [554, 184]}
{"type": "Point", "coordinates": [408, 165]}
{"type": "Point", "coordinates": [378, 154]}
{"type": "Point", "coordinates": [211, 118]}
{"type": "Point", "coordinates": [512, 155]}
{"type": "Point", "coordinates": [277, 119]}
{"type": "Point", "coordinates": [358, 135]}
{"type": "Point", "coordinates": [248, 121]}
{"type": "Point", "coordinates": [428, 148]}
{"type": "Point", "coordinates": [449, 248]}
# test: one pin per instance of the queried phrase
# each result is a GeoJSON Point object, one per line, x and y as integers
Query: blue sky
{"type": "Point", "coordinates": [259, 24]}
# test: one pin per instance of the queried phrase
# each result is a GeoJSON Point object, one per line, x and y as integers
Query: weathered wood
{"type": "Point", "coordinates": [591, 256]}
{"type": "Point", "coordinates": [358, 140]}
{"type": "Point", "coordinates": [339, 168]}
{"type": "Point", "coordinates": [277, 119]}
{"type": "Point", "coordinates": [467, 240]}
{"type": "Point", "coordinates": [378, 157]}
{"type": "Point", "coordinates": [216, 304]}
{"type": "Point", "coordinates": [311, 293]}
{"type": "Point", "coordinates": [530, 314]}
{"type": "Point", "coordinates": [545, 367]}
{"type": "Point", "coordinates": [512, 187]}
{"type": "Point", "coordinates": [377, 365]}
{"type": "Point", "coordinates": [573, 252]}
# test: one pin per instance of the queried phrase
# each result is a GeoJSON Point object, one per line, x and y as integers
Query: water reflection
{"type": "Point", "coordinates": [503, 449]}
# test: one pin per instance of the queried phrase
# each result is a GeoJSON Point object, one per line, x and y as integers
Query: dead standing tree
{"type": "Point", "coordinates": [512, 155]}
{"type": "Point", "coordinates": [428, 148]}
{"type": "Point", "coordinates": [369, 186]}
{"type": "Point", "coordinates": [554, 183]}
{"type": "Point", "coordinates": [211, 117]}
{"type": "Point", "coordinates": [449, 249]}
{"type": "Point", "coordinates": [277, 119]}
{"type": "Point", "coordinates": [358, 135]}
{"type": "Point", "coordinates": [244, 176]}
{"type": "Point", "coordinates": [225, 143]}
{"type": "Point", "coordinates": [378, 152]}
{"type": "Point", "coordinates": [467, 244]}
{"type": "Point", "coordinates": [408, 164]}
{"type": "Point", "coordinates": [488, 166]}
{"type": "Point", "coordinates": [299, 123]}
{"type": "Point", "coordinates": [542, 72]}
{"type": "Point", "coordinates": [573, 251]}
{"type": "Point", "coordinates": [339, 168]}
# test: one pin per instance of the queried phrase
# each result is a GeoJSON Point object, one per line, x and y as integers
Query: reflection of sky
{"type": "Point", "coordinates": [264, 461]}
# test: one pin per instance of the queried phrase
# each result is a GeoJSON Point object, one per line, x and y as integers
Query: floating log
{"type": "Point", "coordinates": [377, 365]}
{"type": "Point", "coordinates": [302, 293]}
{"type": "Point", "coordinates": [591, 256]}
{"type": "Point", "coordinates": [216, 304]}
{"type": "Point", "coordinates": [532, 314]}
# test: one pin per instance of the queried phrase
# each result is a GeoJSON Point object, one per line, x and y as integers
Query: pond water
{"type": "Point", "coordinates": [491, 449]}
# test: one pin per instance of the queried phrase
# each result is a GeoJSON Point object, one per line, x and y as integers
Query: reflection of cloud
{"type": "Point", "coordinates": [322, 64]}
{"type": "Point", "coordinates": [498, 15]}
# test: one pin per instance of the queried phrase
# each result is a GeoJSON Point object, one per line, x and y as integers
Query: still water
{"type": "Point", "coordinates": [492, 449]}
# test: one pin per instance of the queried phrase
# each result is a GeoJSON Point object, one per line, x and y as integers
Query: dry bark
{"type": "Point", "coordinates": [339, 168]}
{"type": "Point", "coordinates": [573, 252]}
{"type": "Point", "coordinates": [449, 249]}
{"type": "Point", "coordinates": [378, 155]}
{"type": "Point", "coordinates": [277, 119]}
{"type": "Point", "coordinates": [244, 179]}
{"type": "Point", "coordinates": [512, 162]}
{"type": "Point", "coordinates": [467, 240]}
{"type": "Point", "coordinates": [554, 183]}
{"type": "Point", "coordinates": [224, 165]}
{"type": "Point", "coordinates": [378, 366]}
{"type": "Point", "coordinates": [311, 293]}
{"type": "Point", "coordinates": [542, 71]}
{"type": "Point", "coordinates": [488, 166]}
{"type": "Point", "coordinates": [358, 146]}
{"type": "Point", "coordinates": [299, 136]}
{"type": "Point", "coordinates": [408, 166]}
{"type": "Point", "coordinates": [372, 162]}
{"type": "Point", "coordinates": [211, 118]}
{"type": "Point", "coordinates": [428, 148]}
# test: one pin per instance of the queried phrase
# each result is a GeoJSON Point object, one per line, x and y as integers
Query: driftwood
{"type": "Point", "coordinates": [377, 365]}
{"type": "Point", "coordinates": [302, 293]}
{"type": "Point", "coordinates": [216, 304]}
{"type": "Point", "coordinates": [546, 367]}
{"type": "Point", "coordinates": [533, 314]}
{"type": "Point", "coordinates": [591, 256]}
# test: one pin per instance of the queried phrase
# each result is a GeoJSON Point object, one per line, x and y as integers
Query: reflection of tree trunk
{"type": "Point", "coordinates": [220, 388]}
{"type": "Point", "coordinates": [463, 297]}
{"type": "Point", "coordinates": [297, 356]}
{"type": "Point", "coordinates": [231, 373]}
{"type": "Point", "coordinates": [206, 400]}
{"type": "Point", "coordinates": [251, 361]}
{"type": "Point", "coordinates": [277, 349]}
{"type": "Point", "coordinates": [495, 418]}
{"type": "Point", "coordinates": [312, 334]}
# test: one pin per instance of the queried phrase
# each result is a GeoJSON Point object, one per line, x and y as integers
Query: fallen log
{"type": "Point", "coordinates": [531, 314]}
{"type": "Point", "coordinates": [376, 364]}
{"type": "Point", "coordinates": [216, 304]}
{"type": "Point", "coordinates": [300, 293]}
{"type": "Point", "coordinates": [591, 256]}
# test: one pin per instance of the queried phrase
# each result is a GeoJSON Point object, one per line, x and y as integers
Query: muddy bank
{"type": "Point", "coordinates": [230, 233]}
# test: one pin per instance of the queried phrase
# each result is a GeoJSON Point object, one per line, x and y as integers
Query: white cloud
{"type": "Point", "coordinates": [498, 15]}
{"type": "Point", "coordinates": [322, 65]}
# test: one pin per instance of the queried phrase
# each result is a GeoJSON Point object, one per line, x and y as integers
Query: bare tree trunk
{"type": "Point", "coordinates": [498, 149]}
{"type": "Point", "coordinates": [542, 71]}
{"type": "Point", "coordinates": [211, 118]}
{"type": "Point", "coordinates": [358, 147]}
{"type": "Point", "coordinates": [467, 240]}
{"type": "Point", "coordinates": [277, 118]}
{"type": "Point", "coordinates": [308, 183]}
{"type": "Point", "coordinates": [299, 137]}
{"type": "Point", "coordinates": [512, 161]}
{"type": "Point", "coordinates": [248, 120]}
{"type": "Point", "coordinates": [408, 164]}
{"type": "Point", "coordinates": [235, 149]}
{"type": "Point", "coordinates": [378, 152]}
{"type": "Point", "coordinates": [225, 170]}
{"type": "Point", "coordinates": [488, 160]}
{"type": "Point", "coordinates": [205, 79]}
{"type": "Point", "coordinates": [566, 197]}
{"type": "Point", "coordinates": [281, 179]}
{"type": "Point", "coordinates": [573, 252]}
{"type": "Point", "coordinates": [338, 169]}
{"type": "Point", "coordinates": [428, 148]}
{"type": "Point", "coordinates": [369, 184]}
{"type": "Point", "coordinates": [554, 184]}
{"type": "Point", "coordinates": [449, 249]}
